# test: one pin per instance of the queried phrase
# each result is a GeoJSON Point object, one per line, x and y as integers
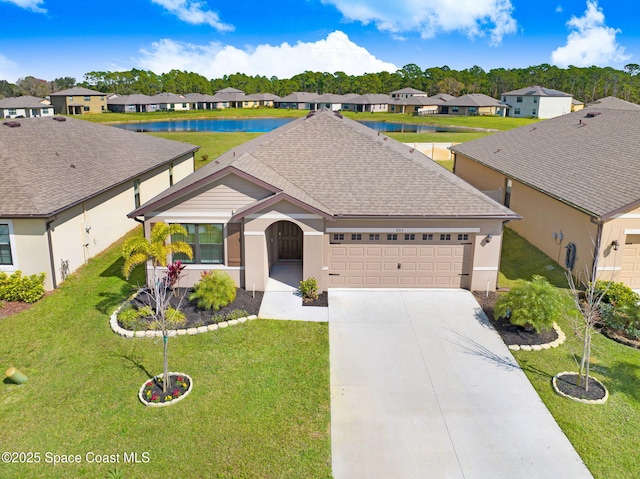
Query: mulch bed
{"type": "Point", "coordinates": [7, 308]}
{"type": "Point", "coordinates": [322, 301]}
{"type": "Point", "coordinates": [510, 333]}
{"type": "Point", "coordinates": [245, 300]}
{"type": "Point", "coordinates": [568, 384]}
{"type": "Point", "coordinates": [618, 336]}
{"type": "Point", "coordinates": [178, 385]}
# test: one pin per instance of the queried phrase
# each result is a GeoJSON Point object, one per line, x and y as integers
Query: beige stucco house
{"type": "Point", "coordinates": [78, 101]}
{"type": "Point", "coordinates": [25, 107]}
{"type": "Point", "coordinates": [68, 186]}
{"type": "Point", "coordinates": [355, 207]}
{"type": "Point", "coordinates": [574, 181]}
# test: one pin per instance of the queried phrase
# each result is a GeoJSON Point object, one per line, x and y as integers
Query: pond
{"type": "Point", "coordinates": [263, 125]}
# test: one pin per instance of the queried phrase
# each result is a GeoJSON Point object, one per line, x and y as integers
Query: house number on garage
{"type": "Point", "coordinates": [399, 230]}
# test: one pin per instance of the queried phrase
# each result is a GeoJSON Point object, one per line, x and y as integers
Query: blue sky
{"type": "Point", "coordinates": [53, 38]}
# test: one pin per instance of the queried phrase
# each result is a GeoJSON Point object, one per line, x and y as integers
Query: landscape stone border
{"type": "Point", "coordinates": [126, 333]}
{"type": "Point", "coordinates": [169, 403]}
{"type": "Point", "coordinates": [554, 382]}
{"type": "Point", "coordinates": [539, 347]}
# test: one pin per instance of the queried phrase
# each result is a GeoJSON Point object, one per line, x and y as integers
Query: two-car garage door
{"type": "Point", "coordinates": [432, 263]}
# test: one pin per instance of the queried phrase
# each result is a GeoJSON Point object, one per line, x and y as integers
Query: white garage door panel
{"type": "Point", "coordinates": [421, 266]}
{"type": "Point", "coordinates": [630, 270]}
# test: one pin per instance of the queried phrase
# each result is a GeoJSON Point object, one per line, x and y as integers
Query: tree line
{"type": "Point", "coordinates": [585, 84]}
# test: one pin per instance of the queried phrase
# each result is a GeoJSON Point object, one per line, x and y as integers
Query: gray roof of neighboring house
{"type": "Point", "coordinates": [370, 99]}
{"type": "Point", "coordinates": [25, 101]}
{"type": "Point", "coordinates": [588, 159]}
{"type": "Point", "coordinates": [614, 103]}
{"type": "Point", "coordinates": [135, 99]}
{"type": "Point", "coordinates": [409, 91]}
{"type": "Point", "coordinates": [417, 100]}
{"type": "Point", "coordinates": [475, 99]}
{"type": "Point", "coordinates": [443, 96]}
{"type": "Point", "coordinates": [77, 91]}
{"type": "Point", "coordinates": [342, 168]}
{"type": "Point", "coordinates": [49, 165]}
{"type": "Point", "coordinates": [230, 90]}
{"type": "Point", "coordinates": [201, 97]}
{"type": "Point", "coordinates": [536, 91]}
{"type": "Point", "coordinates": [299, 97]}
{"type": "Point", "coordinates": [167, 97]}
{"type": "Point", "coordinates": [262, 97]}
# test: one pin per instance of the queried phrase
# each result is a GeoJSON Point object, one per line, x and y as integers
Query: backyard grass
{"type": "Point", "coordinates": [605, 436]}
{"type": "Point", "coordinates": [259, 407]}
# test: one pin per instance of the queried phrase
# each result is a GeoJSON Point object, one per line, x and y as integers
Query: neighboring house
{"type": "Point", "coordinates": [232, 98]}
{"type": "Point", "coordinates": [262, 100]}
{"type": "Point", "coordinates": [136, 103]}
{"type": "Point", "coordinates": [476, 104]}
{"type": "Point", "coordinates": [297, 101]}
{"type": "Point", "coordinates": [574, 181]}
{"type": "Point", "coordinates": [537, 102]}
{"type": "Point", "coordinates": [78, 101]}
{"type": "Point", "coordinates": [200, 101]}
{"type": "Point", "coordinates": [170, 102]}
{"type": "Point", "coordinates": [68, 186]}
{"type": "Point", "coordinates": [576, 105]}
{"type": "Point", "coordinates": [408, 93]}
{"type": "Point", "coordinates": [355, 207]}
{"type": "Point", "coordinates": [370, 103]}
{"type": "Point", "coordinates": [25, 107]}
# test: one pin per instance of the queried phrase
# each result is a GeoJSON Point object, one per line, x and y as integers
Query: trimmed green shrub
{"type": "Point", "coordinates": [532, 304]}
{"type": "Point", "coordinates": [622, 318]}
{"type": "Point", "coordinates": [175, 317]}
{"type": "Point", "coordinates": [16, 287]}
{"type": "Point", "coordinates": [618, 294]}
{"type": "Point", "coordinates": [235, 314]}
{"type": "Point", "coordinates": [309, 289]}
{"type": "Point", "coordinates": [215, 290]}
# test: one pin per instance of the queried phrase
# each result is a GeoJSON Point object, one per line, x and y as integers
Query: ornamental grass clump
{"type": "Point", "coordinates": [534, 304]}
{"type": "Point", "coordinates": [214, 290]}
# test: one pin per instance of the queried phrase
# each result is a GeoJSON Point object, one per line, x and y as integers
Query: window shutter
{"type": "Point", "coordinates": [234, 249]}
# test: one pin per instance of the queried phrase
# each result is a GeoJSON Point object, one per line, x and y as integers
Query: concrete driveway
{"type": "Point", "coordinates": [422, 387]}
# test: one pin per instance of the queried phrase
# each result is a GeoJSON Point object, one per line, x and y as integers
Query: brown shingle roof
{"type": "Point", "coordinates": [346, 169]}
{"type": "Point", "coordinates": [589, 162]}
{"type": "Point", "coordinates": [49, 165]}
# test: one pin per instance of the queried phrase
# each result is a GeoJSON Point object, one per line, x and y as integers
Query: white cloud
{"type": "Point", "coordinates": [33, 5]}
{"type": "Point", "coordinates": [192, 12]}
{"type": "Point", "coordinates": [591, 42]}
{"type": "Point", "coordinates": [8, 69]}
{"type": "Point", "coordinates": [335, 53]}
{"type": "Point", "coordinates": [475, 18]}
{"type": "Point", "coordinates": [559, 9]}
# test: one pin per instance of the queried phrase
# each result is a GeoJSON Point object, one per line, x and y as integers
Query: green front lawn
{"type": "Point", "coordinates": [606, 436]}
{"type": "Point", "coordinates": [259, 407]}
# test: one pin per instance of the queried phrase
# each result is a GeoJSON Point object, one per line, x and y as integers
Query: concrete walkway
{"type": "Point", "coordinates": [282, 298]}
{"type": "Point", "coordinates": [422, 387]}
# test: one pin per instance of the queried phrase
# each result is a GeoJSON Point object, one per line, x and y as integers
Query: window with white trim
{"type": "Point", "coordinates": [206, 241]}
{"type": "Point", "coordinates": [6, 258]}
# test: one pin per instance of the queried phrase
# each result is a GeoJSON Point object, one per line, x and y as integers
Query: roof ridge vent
{"type": "Point", "coordinates": [11, 124]}
{"type": "Point", "coordinates": [59, 118]}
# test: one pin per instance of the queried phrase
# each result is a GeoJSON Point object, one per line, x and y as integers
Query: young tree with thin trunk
{"type": "Point", "coordinates": [139, 250]}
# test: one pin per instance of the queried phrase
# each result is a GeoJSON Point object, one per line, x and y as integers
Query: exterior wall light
{"type": "Point", "coordinates": [615, 245]}
{"type": "Point", "coordinates": [489, 238]}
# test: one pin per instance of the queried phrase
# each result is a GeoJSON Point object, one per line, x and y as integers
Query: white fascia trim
{"type": "Point", "coordinates": [283, 216]}
{"type": "Point", "coordinates": [609, 268]}
{"type": "Point", "coordinates": [632, 232]}
{"type": "Point", "coordinates": [485, 268]}
{"type": "Point", "coordinates": [10, 268]}
{"type": "Point", "coordinates": [403, 230]}
{"type": "Point", "coordinates": [313, 233]}
{"type": "Point", "coordinates": [627, 216]}
{"type": "Point", "coordinates": [196, 219]}
{"type": "Point", "coordinates": [191, 214]}
{"type": "Point", "coordinates": [254, 233]}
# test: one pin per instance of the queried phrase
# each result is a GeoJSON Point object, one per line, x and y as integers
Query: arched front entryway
{"type": "Point", "coordinates": [286, 244]}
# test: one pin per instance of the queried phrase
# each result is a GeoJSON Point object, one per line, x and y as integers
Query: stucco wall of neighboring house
{"type": "Point", "coordinates": [542, 216]}
{"type": "Point", "coordinates": [46, 110]}
{"type": "Point", "coordinates": [551, 107]}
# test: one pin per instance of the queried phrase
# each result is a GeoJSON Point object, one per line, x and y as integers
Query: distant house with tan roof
{"type": "Point", "coordinates": [574, 181]}
{"type": "Point", "coordinates": [78, 101]}
{"type": "Point", "coordinates": [474, 104]}
{"type": "Point", "coordinates": [68, 186]}
{"type": "Point", "coordinates": [363, 211]}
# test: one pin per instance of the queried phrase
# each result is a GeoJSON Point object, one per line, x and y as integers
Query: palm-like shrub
{"type": "Point", "coordinates": [214, 290]}
{"type": "Point", "coordinates": [532, 304]}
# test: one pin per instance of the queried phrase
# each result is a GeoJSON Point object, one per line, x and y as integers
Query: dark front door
{"type": "Point", "coordinates": [289, 241]}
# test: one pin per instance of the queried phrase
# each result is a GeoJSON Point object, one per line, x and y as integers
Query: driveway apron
{"type": "Point", "coordinates": [423, 387]}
